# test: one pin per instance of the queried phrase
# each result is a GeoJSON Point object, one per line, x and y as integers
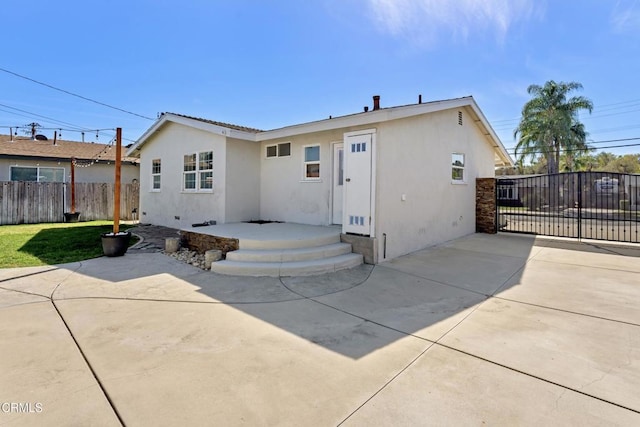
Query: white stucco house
{"type": "Point", "coordinates": [404, 176]}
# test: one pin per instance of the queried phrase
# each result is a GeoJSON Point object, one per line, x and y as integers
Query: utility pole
{"type": "Point", "coordinates": [34, 126]}
{"type": "Point", "coordinates": [116, 198]}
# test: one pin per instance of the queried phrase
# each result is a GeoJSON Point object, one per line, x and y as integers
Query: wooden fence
{"type": "Point", "coordinates": [38, 202]}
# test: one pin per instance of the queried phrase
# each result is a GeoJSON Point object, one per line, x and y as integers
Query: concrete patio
{"type": "Point", "coordinates": [488, 329]}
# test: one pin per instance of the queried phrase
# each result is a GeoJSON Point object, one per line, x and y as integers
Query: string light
{"type": "Point", "coordinates": [27, 130]}
{"type": "Point", "coordinates": [96, 157]}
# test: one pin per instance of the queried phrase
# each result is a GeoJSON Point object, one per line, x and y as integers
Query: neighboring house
{"type": "Point", "coordinates": [598, 189]}
{"type": "Point", "coordinates": [25, 159]}
{"type": "Point", "coordinates": [402, 175]}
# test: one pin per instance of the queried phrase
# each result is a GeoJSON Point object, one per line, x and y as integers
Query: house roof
{"type": "Point", "coordinates": [371, 117]}
{"type": "Point", "coordinates": [22, 147]}
{"type": "Point", "coordinates": [226, 125]}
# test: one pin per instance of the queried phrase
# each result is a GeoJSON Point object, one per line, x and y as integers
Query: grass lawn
{"type": "Point", "coordinates": [28, 245]}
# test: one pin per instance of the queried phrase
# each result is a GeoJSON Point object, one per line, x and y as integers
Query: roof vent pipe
{"type": "Point", "coordinates": [366, 108]}
{"type": "Point", "coordinates": [376, 102]}
{"type": "Point", "coordinates": [420, 99]}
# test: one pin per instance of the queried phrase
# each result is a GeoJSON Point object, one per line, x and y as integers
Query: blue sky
{"type": "Point", "coordinates": [268, 64]}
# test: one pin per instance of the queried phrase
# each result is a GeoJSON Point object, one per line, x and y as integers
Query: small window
{"type": "Point", "coordinates": [279, 150]}
{"type": "Point", "coordinates": [189, 172]}
{"type": "Point", "coordinates": [312, 162]}
{"type": "Point", "coordinates": [205, 167]}
{"type": "Point", "coordinates": [37, 174]}
{"type": "Point", "coordinates": [507, 192]}
{"type": "Point", "coordinates": [155, 174]}
{"type": "Point", "coordinates": [198, 171]}
{"type": "Point", "coordinates": [457, 167]}
{"type": "Point", "coordinates": [284, 149]}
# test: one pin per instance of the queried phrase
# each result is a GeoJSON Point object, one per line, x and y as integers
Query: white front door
{"type": "Point", "coordinates": [358, 181]}
{"type": "Point", "coordinates": [338, 182]}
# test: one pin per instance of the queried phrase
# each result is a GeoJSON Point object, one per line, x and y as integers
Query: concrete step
{"type": "Point", "coordinates": [286, 255]}
{"type": "Point", "coordinates": [289, 243]}
{"type": "Point", "coordinates": [287, 268]}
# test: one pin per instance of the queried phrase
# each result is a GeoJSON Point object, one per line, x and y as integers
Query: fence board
{"type": "Point", "coordinates": [40, 202]}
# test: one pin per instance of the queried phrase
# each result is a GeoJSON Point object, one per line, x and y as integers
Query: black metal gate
{"type": "Point", "coordinates": [582, 205]}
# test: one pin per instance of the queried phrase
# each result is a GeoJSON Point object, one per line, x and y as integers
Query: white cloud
{"type": "Point", "coordinates": [625, 17]}
{"type": "Point", "coordinates": [429, 21]}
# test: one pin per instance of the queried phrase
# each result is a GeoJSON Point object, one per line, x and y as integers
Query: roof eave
{"type": "Point", "coordinates": [363, 119]}
{"type": "Point", "coordinates": [133, 151]}
{"type": "Point", "coordinates": [502, 157]}
{"type": "Point", "coordinates": [394, 113]}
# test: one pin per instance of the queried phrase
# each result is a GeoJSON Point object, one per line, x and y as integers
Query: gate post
{"type": "Point", "coordinates": [486, 206]}
{"type": "Point", "coordinates": [580, 205]}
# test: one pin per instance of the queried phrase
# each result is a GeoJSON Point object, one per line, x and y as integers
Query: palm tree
{"type": "Point", "coordinates": [575, 148]}
{"type": "Point", "coordinates": [549, 123]}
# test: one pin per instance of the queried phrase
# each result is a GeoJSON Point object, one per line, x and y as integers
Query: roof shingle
{"type": "Point", "coordinates": [226, 125]}
{"type": "Point", "coordinates": [26, 147]}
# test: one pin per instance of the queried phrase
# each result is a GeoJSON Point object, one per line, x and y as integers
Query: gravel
{"type": "Point", "coordinates": [188, 257]}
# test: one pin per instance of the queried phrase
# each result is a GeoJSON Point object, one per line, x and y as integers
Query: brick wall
{"type": "Point", "coordinates": [486, 205]}
{"type": "Point", "coordinates": [203, 242]}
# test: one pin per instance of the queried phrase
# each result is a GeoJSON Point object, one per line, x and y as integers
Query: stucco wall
{"type": "Point", "coordinates": [99, 172]}
{"type": "Point", "coordinates": [170, 144]}
{"type": "Point", "coordinates": [414, 159]}
{"type": "Point", "coordinates": [243, 180]}
{"type": "Point", "coordinates": [284, 195]}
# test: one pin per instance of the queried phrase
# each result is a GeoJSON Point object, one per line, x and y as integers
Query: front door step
{"type": "Point", "coordinates": [288, 268]}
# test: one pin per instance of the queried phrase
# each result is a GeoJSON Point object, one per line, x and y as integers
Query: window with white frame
{"type": "Point", "coordinates": [507, 192]}
{"type": "Point", "coordinates": [156, 167]}
{"type": "Point", "coordinates": [197, 171]}
{"type": "Point", "coordinates": [311, 162]}
{"type": "Point", "coordinates": [457, 167]}
{"type": "Point", "coordinates": [205, 170]}
{"type": "Point", "coordinates": [278, 150]}
{"type": "Point", "coordinates": [37, 174]}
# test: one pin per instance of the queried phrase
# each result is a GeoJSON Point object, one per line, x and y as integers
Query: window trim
{"type": "Point", "coordinates": [503, 191]}
{"type": "Point", "coordinates": [197, 171]}
{"type": "Point", "coordinates": [456, 167]}
{"type": "Point", "coordinates": [37, 168]}
{"type": "Point", "coordinates": [158, 174]}
{"type": "Point", "coordinates": [305, 178]}
{"type": "Point", "coordinates": [278, 145]}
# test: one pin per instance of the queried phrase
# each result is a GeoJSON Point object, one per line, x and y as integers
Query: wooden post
{"type": "Point", "coordinates": [116, 197]}
{"type": "Point", "coordinates": [73, 185]}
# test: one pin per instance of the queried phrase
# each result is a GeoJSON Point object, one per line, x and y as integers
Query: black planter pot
{"type": "Point", "coordinates": [71, 216]}
{"type": "Point", "coordinates": [115, 244]}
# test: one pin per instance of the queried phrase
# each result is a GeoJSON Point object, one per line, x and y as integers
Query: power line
{"type": "Point", "coordinates": [77, 128]}
{"type": "Point", "coordinates": [604, 141]}
{"type": "Point", "coordinates": [75, 94]}
{"type": "Point", "coordinates": [504, 124]}
{"type": "Point", "coordinates": [511, 151]}
{"type": "Point", "coordinates": [583, 150]}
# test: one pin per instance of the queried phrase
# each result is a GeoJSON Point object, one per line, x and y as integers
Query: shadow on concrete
{"type": "Point", "coordinates": [352, 312]}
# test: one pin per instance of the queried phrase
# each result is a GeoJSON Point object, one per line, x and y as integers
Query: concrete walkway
{"type": "Point", "coordinates": [496, 330]}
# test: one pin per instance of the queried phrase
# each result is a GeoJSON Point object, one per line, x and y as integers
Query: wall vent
{"type": "Point", "coordinates": [460, 118]}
